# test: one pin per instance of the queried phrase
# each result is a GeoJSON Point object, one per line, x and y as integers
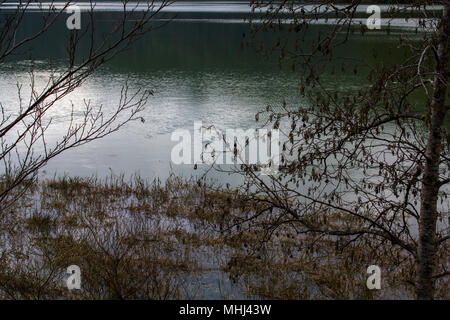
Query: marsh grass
{"type": "Point", "coordinates": [151, 240]}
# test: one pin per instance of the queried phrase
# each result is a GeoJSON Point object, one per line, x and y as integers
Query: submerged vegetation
{"type": "Point", "coordinates": [139, 240]}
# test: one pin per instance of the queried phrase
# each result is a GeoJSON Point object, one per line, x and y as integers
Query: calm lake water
{"type": "Point", "coordinates": [198, 71]}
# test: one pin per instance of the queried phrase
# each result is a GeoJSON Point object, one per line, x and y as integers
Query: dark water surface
{"type": "Point", "coordinates": [198, 72]}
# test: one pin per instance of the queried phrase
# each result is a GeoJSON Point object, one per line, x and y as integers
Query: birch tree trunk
{"type": "Point", "coordinates": [427, 246]}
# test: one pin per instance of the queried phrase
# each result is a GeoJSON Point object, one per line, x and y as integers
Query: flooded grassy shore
{"type": "Point", "coordinates": [178, 239]}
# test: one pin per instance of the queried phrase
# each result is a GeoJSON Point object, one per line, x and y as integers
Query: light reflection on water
{"type": "Point", "coordinates": [184, 6]}
{"type": "Point", "coordinates": [224, 99]}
